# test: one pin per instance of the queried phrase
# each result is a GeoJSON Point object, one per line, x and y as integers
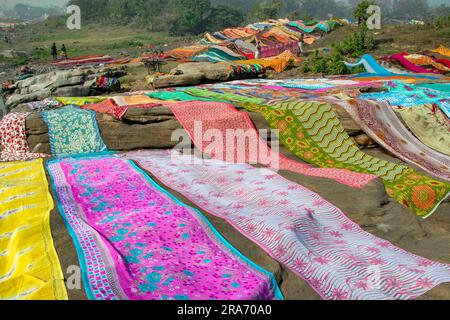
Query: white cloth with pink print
{"type": "Point", "coordinates": [298, 228]}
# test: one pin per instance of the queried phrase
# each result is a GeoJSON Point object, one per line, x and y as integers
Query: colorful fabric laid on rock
{"type": "Point", "coordinates": [429, 124]}
{"type": "Point", "coordinates": [108, 107]}
{"type": "Point", "coordinates": [408, 95]}
{"type": "Point", "coordinates": [400, 57]}
{"type": "Point", "coordinates": [44, 104]}
{"type": "Point", "coordinates": [136, 241]}
{"type": "Point", "coordinates": [380, 122]}
{"type": "Point", "coordinates": [278, 63]}
{"type": "Point", "coordinates": [370, 64]}
{"type": "Point", "coordinates": [133, 100]}
{"type": "Point", "coordinates": [79, 101]}
{"type": "Point", "coordinates": [236, 140]}
{"type": "Point", "coordinates": [246, 71]}
{"type": "Point", "coordinates": [422, 60]}
{"type": "Point", "coordinates": [73, 131]}
{"type": "Point", "coordinates": [312, 131]}
{"type": "Point", "coordinates": [298, 228]}
{"type": "Point", "coordinates": [106, 83]}
{"type": "Point", "coordinates": [13, 138]}
{"type": "Point", "coordinates": [29, 265]}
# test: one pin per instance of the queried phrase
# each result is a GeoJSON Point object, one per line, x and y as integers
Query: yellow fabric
{"type": "Point", "coordinates": [209, 37]}
{"type": "Point", "coordinates": [442, 50]}
{"type": "Point", "coordinates": [134, 100]}
{"type": "Point", "coordinates": [340, 21]}
{"type": "Point", "coordinates": [29, 265]}
{"type": "Point", "coordinates": [80, 101]}
{"type": "Point", "coordinates": [309, 40]}
{"type": "Point", "coordinates": [277, 63]}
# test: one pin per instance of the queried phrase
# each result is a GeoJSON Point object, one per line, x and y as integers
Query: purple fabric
{"type": "Point", "coordinates": [135, 241]}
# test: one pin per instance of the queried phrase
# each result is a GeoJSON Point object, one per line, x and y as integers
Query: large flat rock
{"type": "Point", "coordinates": [144, 128]}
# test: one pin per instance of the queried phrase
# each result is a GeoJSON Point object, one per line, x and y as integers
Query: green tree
{"type": "Point", "coordinates": [361, 11]}
{"type": "Point", "coordinates": [411, 9]}
{"type": "Point", "coordinates": [192, 16]}
{"type": "Point", "coordinates": [320, 9]}
{"type": "Point", "coordinates": [266, 10]}
{"type": "Point", "coordinates": [224, 16]}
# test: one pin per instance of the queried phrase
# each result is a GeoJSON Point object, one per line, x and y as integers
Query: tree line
{"type": "Point", "coordinates": [182, 17]}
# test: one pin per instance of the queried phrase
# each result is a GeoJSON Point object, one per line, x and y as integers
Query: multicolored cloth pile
{"type": "Point", "coordinates": [425, 65]}
{"type": "Point", "coordinates": [258, 40]}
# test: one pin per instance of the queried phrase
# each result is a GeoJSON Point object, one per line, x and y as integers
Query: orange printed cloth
{"type": "Point", "coordinates": [277, 63]}
{"type": "Point", "coordinates": [422, 60]}
{"type": "Point", "coordinates": [442, 50]}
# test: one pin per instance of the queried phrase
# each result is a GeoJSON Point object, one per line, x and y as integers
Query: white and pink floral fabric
{"type": "Point", "coordinates": [14, 145]}
{"type": "Point", "coordinates": [298, 228]}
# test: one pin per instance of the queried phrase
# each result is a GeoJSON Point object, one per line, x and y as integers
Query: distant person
{"type": "Point", "coordinates": [63, 52]}
{"type": "Point", "coordinates": [54, 51]}
{"type": "Point", "coordinates": [258, 50]}
{"type": "Point", "coordinates": [300, 43]}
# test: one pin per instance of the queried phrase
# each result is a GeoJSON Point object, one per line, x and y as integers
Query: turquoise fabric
{"type": "Point", "coordinates": [73, 131]}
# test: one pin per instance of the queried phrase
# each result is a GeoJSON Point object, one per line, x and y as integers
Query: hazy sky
{"type": "Point", "coordinates": [11, 3]}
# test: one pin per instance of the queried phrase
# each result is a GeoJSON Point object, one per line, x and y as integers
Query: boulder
{"type": "Point", "coordinates": [66, 83]}
{"type": "Point", "coordinates": [188, 79]}
{"type": "Point", "coordinates": [211, 71]}
{"type": "Point", "coordinates": [193, 73]}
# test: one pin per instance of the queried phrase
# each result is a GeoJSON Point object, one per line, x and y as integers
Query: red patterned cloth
{"type": "Point", "coordinates": [14, 139]}
{"type": "Point", "coordinates": [206, 121]}
{"type": "Point", "coordinates": [107, 106]}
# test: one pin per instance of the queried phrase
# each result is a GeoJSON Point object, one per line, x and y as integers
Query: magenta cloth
{"type": "Point", "coordinates": [445, 62]}
{"type": "Point", "coordinates": [136, 241]}
{"type": "Point", "coordinates": [400, 57]}
{"type": "Point", "coordinates": [274, 49]}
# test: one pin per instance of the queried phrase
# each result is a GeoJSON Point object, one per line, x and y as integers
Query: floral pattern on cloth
{"type": "Point", "coordinates": [298, 228]}
{"type": "Point", "coordinates": [45, 104]}
{"type": "Point", "coordinates": [136, 241]}
{"type": "Point", "coordinates": [73, 131]}
{"type": "Point", "coordinates": [13, 138]}
{"type": "Point", "coordinates": [429, 124]}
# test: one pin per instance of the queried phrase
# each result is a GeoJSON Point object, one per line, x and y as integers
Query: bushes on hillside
{"type": "Point", "coordinates": [353, 46]}
{"type": "Point", "coordinates": [356, 44]}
